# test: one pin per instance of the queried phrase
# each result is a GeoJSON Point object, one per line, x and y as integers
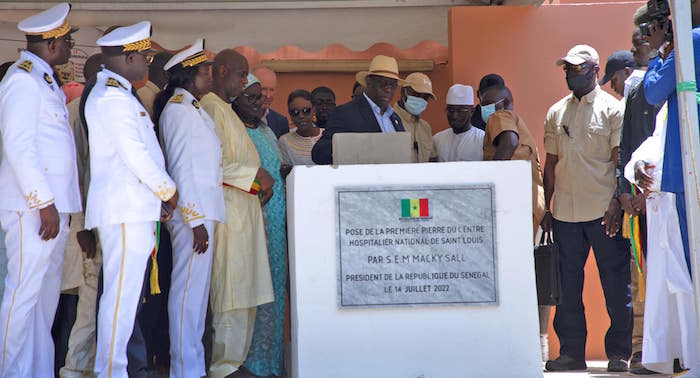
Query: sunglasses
{"type": "Point", "coordinates": [297, 112]}
{"type": "Point", "coordinates": [577, 68]}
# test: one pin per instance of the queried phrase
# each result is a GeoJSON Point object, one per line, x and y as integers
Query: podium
{"type": "Point", "coordinates": [413, 270]}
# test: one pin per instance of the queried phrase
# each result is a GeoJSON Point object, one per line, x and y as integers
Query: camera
{"type": "Point", "coordinates": [658, 10]}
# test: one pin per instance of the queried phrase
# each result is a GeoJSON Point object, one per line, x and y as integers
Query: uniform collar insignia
{"type": "Point", "coordinates": [195, 104]}
{"type": "Point", "coordinates": [48, 78]}
{"type": "Point", "coordinates": [112, 82]}
{"type": "Point", "coordinates": [26, 65]}
{"type": "Point", "coordinates": [177, 99]}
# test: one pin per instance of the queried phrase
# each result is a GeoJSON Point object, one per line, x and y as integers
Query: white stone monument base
{"type": "Point", "coordinates": [410, 342]}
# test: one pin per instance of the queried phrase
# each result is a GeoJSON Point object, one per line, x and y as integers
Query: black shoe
{"type": "Point", "coordinates": [643, 371]}
{"type": "Point", "coordinates": [677, 368]}
{"type": "Point", "coordinates": [564, 363]}
{"type": "Point", "coordinates": [636, 361]}
{"type": "Point", "coordinates": [617, 365]}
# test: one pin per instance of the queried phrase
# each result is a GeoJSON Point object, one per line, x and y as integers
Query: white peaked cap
{"type": "Point", "coordinates": [188, 57]}
{"type": "Point", "coordinates": [135, 37]}
{"type": "Point", "coordinates": [50, 23]}
{"type": "Point", "coordinates": [460, 95]}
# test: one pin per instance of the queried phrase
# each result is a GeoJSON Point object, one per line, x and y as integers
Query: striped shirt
{"type": "Point", "coordinates": [296, 149]}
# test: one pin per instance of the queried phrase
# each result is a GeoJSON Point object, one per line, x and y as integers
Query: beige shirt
{"type": "Point", "coordinates": [422, 147]}
{"type": "Point", "coordinates": [507, 120]}
{"type": "Point", "coordinates": [583, 134]}
{"type": "Point", "coordinates": [148, 94]}
{"type": "Point", "coordinates": [240, 269]}
{"type": "Point", "coordinates": [73, 258]}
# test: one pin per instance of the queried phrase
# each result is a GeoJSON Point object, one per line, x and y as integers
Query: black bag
{"type": "Point", "coordinates": [547, 272]}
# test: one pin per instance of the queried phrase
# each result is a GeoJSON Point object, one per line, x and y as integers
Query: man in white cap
{"type": "Point", "coordinates": [414, 100]}
{"type": "Point", "coordinates": [369, 113]}
{"type": "Point", "coordinates": [462, 141]}
{"type": "Point", "coordinates": [38, 191]}
{"type": "Point", "coordinates": [129, 188]}
{"type": "Point", "coordinates": [581, 136]}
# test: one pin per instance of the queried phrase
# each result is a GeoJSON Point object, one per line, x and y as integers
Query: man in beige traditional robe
{"type": "Point", "coordinates": [240, 278]}
{"type": "Point", "coordinates": [83, 260]}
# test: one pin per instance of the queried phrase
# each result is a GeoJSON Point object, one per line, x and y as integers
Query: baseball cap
{"type": "Point", "coordinates": [617, 61]}
{"type": "Point", "coordinates": [580, 54]}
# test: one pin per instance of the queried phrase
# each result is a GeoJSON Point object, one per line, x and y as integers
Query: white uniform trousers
{"type": "Point", "coordinates": [32, 287]}
{"type": "Point", "coordinates": [80, 360]}
{"type": "Point", "coordinates": [669, 312]}
{"type": "Point", "coordinates": [126, 249]}
{"type": "Point", "coordinates": [188, 300]}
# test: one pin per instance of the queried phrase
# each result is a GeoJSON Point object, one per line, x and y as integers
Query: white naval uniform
{"type": "Point", "coordinates": [128, 182]}
{"type": "Point", "coordinates": [194, 157]}
{"type": "Point", "coordinates": [38, 169]}
{"type": "Point", "coordinates": [670, 329]}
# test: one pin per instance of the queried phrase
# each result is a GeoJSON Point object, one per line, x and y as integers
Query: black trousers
{"type": "Point", "coordinates": [613, 258]}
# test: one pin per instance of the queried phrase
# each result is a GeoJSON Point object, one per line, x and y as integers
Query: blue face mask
{"type": "Point", "coordinates": [488, 110]}
{"type": "Point", "coordinates": [415, 105]}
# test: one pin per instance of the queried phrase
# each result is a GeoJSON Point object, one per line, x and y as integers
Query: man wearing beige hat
{"type": "Point", "coordinates": [581, 137]}
{"type": "Point", "coordinates": [369, 113]}
{"type": "Point", "coordinates": [414, 100]}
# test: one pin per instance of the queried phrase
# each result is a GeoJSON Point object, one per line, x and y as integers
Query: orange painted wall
{"type": "Point", "coordinates": [341, 83]}
{"type": "Point", "coordinates": [522, 44]}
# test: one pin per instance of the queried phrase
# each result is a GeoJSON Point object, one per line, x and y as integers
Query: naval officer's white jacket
{"type": "Point", "coordinates": [128, 180]}
{"type": "Point", "coordinates": [38, 159]}
{"type": "Point", "coordinates": [194, 159]}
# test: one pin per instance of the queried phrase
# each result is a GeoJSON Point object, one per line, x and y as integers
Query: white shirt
{"type": "Point", "coordinates": [632, 80]}
{"type": "Point", "coordinates": [128, 180]}
{"type": "Point", "coordinates": [467, 146]}
{"type": "Point", "coordinates": [38, 160]}
{"type": "Point", "coordinates": [384, 120]}
{"type": "Point", "coordinates": [194, 159]}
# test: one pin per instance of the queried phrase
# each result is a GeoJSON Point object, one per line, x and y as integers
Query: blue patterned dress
{"type": "Point", "coordinates": [265, 356]}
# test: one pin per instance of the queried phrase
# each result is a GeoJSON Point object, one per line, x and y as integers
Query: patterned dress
{"type": "Point", "coordinates": [265, 357]}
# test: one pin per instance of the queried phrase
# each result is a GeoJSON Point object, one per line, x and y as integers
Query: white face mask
{"type": "Point", "coordinates": [415, 105]}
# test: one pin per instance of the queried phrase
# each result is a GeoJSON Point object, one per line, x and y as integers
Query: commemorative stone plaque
{"type": "Point", "coordinates": [429, 245]}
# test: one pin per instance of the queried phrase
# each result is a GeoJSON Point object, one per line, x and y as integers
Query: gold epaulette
{"type": "Point", "coordinates": [112, 82]}
{"type": "Point", "coordinates": [195, 104]}
{"type": "Point", "coordinates": [27, 65]}
{"type": "Point", "coordinates": [48, 79]}
{"type": "Point", "coordinates": [177, 99]}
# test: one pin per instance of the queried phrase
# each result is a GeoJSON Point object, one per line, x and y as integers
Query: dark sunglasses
{"type": "Point", "coordinates": [296, 112]}
{"type": "Point", "coordinates": [576, 69]}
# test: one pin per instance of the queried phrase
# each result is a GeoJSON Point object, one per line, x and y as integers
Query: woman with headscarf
{"type": "Point", "coordinates": [266, 350]}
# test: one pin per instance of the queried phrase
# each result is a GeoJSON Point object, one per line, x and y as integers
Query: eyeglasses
{"type": "Point", "coordinates": [69, 40]}
{"type": "Point", "coordinates": [297, 112]}
{"type": "Point", "coordinates": [569, 68]}
{"type": "Point", "coordinates": [253, 98]}
{"type": "Point", "coordinates": [383, 83]}
{"type": "Point", "coordinates": [148, 57]}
